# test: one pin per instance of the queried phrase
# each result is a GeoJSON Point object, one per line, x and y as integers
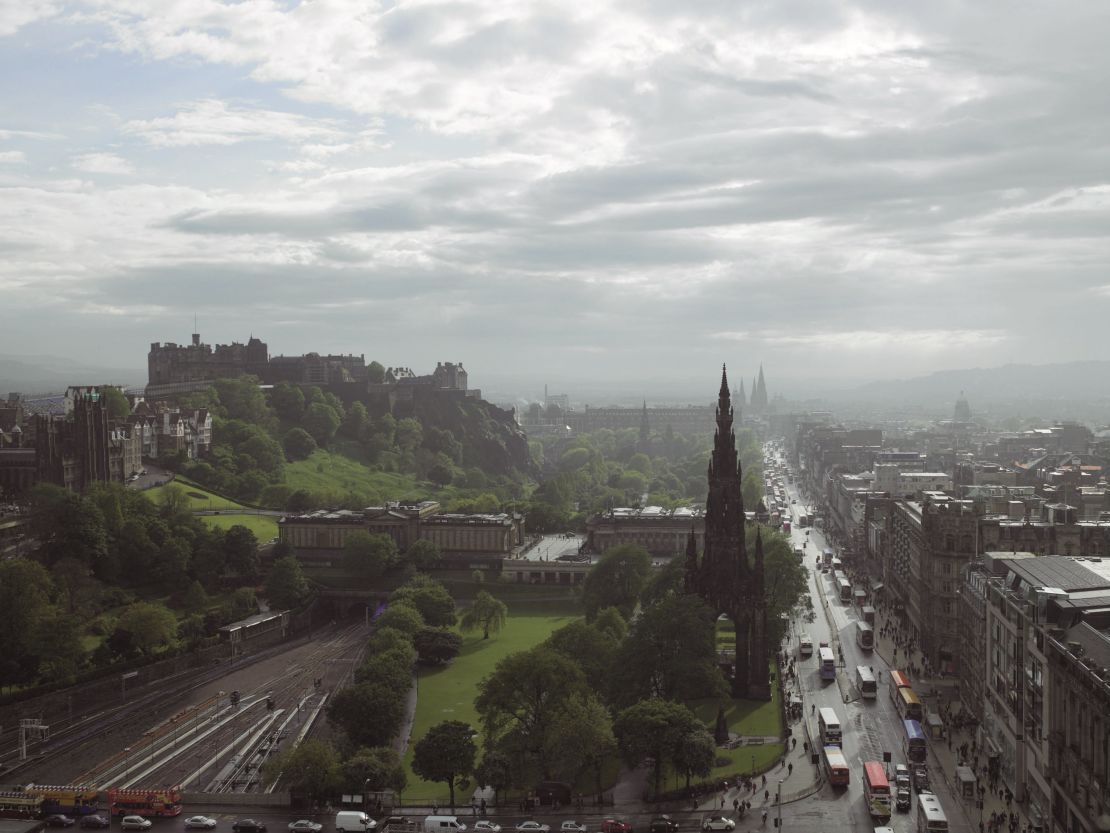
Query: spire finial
{"type": "Point", "coordinates": [724, 382]}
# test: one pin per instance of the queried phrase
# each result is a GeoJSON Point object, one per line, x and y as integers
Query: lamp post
{"type": "Point", "coordinates": [778, 801]}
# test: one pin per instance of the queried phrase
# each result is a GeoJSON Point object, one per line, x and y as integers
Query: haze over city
{"type": "Point", "coordinates": [604, 191]}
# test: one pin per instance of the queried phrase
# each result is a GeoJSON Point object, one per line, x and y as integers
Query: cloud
{"type": "Point", "coordinates": [12, 157]}
{"type": "Point", "coordinates": [16, 15]}
{"type": "Point", "coordinates": [213, 122]}
{"type": "Point", "coordinates": [102, 163]}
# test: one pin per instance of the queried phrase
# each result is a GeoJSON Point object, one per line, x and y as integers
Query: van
{"type": "Point", "coordinates": [347, 821]}
{"type": "Point", "coordinates": [443, 824]}
{"type": "Point", "coordinates": [805, 645]}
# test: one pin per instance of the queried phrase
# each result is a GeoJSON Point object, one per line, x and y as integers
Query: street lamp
{"type": "Point", "coordinates": [778, 801]}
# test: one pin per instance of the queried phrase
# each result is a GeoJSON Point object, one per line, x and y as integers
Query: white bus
{"type": "Point", "coordinates": [865, 635]}
{"type": "Point", "coordinates": [865, 681]}
{"type": "Point", "coordinates": [829, 726]}
{"type": "Point", "coordinates": [827, 668]}
{"type": "Point", "coordinates": [930, 815]}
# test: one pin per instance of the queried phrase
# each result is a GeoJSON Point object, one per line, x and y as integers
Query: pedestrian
{"type": "Point", "coordinates": [722, 802]}
{"type": "Point", "coordinates": [766, 795]}
{"type": "Point", "coordinates": [764, 815]}
{"type": "Point", "coordinates": [789, 770]}
{"type": "Point", "coordinates": [736, 805]}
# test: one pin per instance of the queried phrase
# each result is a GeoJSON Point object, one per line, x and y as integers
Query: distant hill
{"type": "Point", "coordinates": [1082, 381]}
{"type": "Point", "coordinates": [50, 374]}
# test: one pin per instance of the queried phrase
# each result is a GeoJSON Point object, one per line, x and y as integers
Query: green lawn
{"type": "Point", "coordinates": [264, 527]}
{"type": "Point", "coordinates": [199, 497]}
{"type": "Point", "coordinates": [331, 473]}
{"type": "Point", "coordinates": [448, 693]}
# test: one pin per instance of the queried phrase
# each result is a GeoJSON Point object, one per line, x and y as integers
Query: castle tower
{"type": "Point", "coordinates": [759, 394]}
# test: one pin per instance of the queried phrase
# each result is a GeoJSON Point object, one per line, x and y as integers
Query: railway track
{"type": "Point", "coordinates": [220, 746]}
{"type": "Point", "coordinates": [69, 735]}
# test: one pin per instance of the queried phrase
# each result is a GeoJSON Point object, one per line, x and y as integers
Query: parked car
{"type": "Point", "coordinates": [572, 827]}
{"type": "Point", "coordinates": [135, 823]}
{"type": "Point", "coordinates": [305, 826]}
{"type": "Point", "coordinates": [616, 826]}
{"type": "Point", "coordinates": [487, 826]}
{"type": "Point", "coordinates": [718, 823]}
{"type": "Point", "coordinates": [533, 827]}
{"type": "Point", "coordinates": [663, 824]}
{"type": "Point", "coordinates": [248, 826]}
{"type": "Point", "coordinates": [58, 820]}
{"type": "Point", "coordinates": [95, 822]}
{"type": "Point", "coordinates": [199, 823]}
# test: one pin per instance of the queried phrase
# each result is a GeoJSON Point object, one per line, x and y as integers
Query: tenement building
{"type": "Point", "coordinates": [661, 532]}
{"type": "Point", "coordinates": [320, 536]}
{"type": "Point", "coordinates": [86, 446]}
{"type": "Point", "coordinates": [1040, 626]}
{"type": "Point", "coordinates": [929, 543]}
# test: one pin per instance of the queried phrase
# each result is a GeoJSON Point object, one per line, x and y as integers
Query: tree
{"type": "Point", "coordinates": [423, 554]}
{"type": "Point", "coordinates": [73, 578]}
{"type": "Point", "coordinates": [368, 555]}
{"type": "Point", "coordinates": [173, 563]}
{"type": "Point", "coordinates": [392, 668]}
{"type": "Point", "coordinates": [192, 629]}
{"type": "Point", "coordinates": [441, 475]}
{"type": "Point", "coordinates": [694, 754]}
{"type": "Point", "coordinates": [311, 767]}
{"type": "Point", "coordinates": [194, 599]}
{"type": "Point", "coordinates": [288, 401]}
{"type": "Point", "coordinates": [286, 586]}
{"type": "Point", "coordinates": [57, 637]}
{"type": "Point", "coordinates": [610, 621]}
{"type": "Point", "coordinates": [617, 580]}
{"type": "Point", "coordinates": [25, 589]}
{"type": "Point", "coordinates": [116, 403]}
{"type": "Point", "coordinates": [663, 583]}
{"type": "Point", "coordinates": [580, 739]}
{"type": "Point", "coordinates": [298, 444]}
{"type": "Point", "coordinates": [375, 769]}
{"type": "Point", "coordinates": [68, 525]}
{"type": "Point", "coordinates": [242, 399]}
{"type": "Point", "coordinates": [369, 713]}
{"type": "Point", "coordinates": [409, 435]}
{"type": "Point", "coordinates": [401, 616]}
{"type": "Point", "coordinates": [445, 754]}
{"type": "Point", "coordinates": [653, 729]}
{"type": "Point", "coordinates": [485, 612]}
{"type": "Point", "coordinates": [590, 648]}
{"type": "Point", "coordinates": [522, 695]}
{"type": "Point", "coordinates": [495, 770]}
{"type": "Point", "coordinates": [670, 652]}
{"type": "Point", "coordinates": [241, 551]}
{"type": "Point", "coordinates": [784, 579]}
{"type": "Point", "coordinates": [437, 646]}
{"type": "Point", "coordinates": [243, 603]}
{"type": "Point", "coordinates": [355, 421]}
{"type": "Point", "coordinates": [150, 625]}
{"type": "Point", "coordinates": [385, 639]}
{"type": "Point", "coordinates": [375, 373]}
{"type": "Point", "coordinates": [430, 597]}
{"type": "Point", "coordinates": [321, 421]}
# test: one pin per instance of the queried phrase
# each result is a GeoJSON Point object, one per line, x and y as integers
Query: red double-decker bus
{"type": "Point", "coordinates": [143, 802]}
{"type": "Point", "coordinates": [876, 790]}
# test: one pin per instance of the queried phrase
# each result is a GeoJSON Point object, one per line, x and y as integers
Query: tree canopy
{"type": "Point", "coordinates": [446, 753]}
{"type": "Point", "coordinates": [616, 580]}
{"type": "Point", "coordinates": [485, 613]}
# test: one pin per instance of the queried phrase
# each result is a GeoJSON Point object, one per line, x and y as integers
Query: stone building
{"type": "Point", "coordinates": [320, 535]}
{"type": "Point", "coordinates": [928, 545]}
{"type": "Point", "coordinates": [660, 531]}
{"type": "Point", "coordinates": [86, 447]}
{"type": "Point", "coordinates": [172, 363]}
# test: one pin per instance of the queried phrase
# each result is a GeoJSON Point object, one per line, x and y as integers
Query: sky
{"type": "Point", "coordinates": [594, 191]}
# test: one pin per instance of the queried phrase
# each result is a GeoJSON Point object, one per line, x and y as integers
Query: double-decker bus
{"type": "Point", "coordinates": [845, 588]}
{"type": "Point", "coordinates": [164, 801]}
{"type": "Point", "coordinates": [803, 518]}
{"type": "Point", "coordinates": [909, 706]}
{"type": "Point", "coordinates": [914, 742]}
{"type": "Point", "coordinates": [19, 805]}
{"type": "Point", "coordinates": [930, 815]}
{"type": "Point", "coordinates": [827, 558]}
{"type": "Point", "coordinates": [837, 565]}
{"type": "Point", "coordinates": [785, 526]}
{"type": "Point", "coordinates": [865, 682]}
{"type": "Point", "coordinates": [828, 724]}
{"type": "Point", "coordinates": [70, 800]}
{"type": "Point", "coordinates": [836, 766]}
{"type": "Point", "coordinates": [898, 679]}
{"type": "Point", "coordinates": [876, 790]}
{"type": "Point", "coordinates": [865, 635]}
{"type": "Point", "coordinates": [827, 663]}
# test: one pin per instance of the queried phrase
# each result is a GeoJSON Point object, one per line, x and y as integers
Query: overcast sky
{"type": "Point", "coordinates": [596, 190]}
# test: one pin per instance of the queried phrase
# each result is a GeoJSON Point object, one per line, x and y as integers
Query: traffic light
{"type": "Point", "coordinates": [886, 757]}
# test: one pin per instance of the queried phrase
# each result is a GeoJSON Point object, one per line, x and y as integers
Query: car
{"type": "Point", "coordinates": [571, 826]}
{"type": "Point", "coordinates": [718, 823]}
{"type": "Point", "coordinates": [199, 823]}
{"type": "Point", "coordinates": [486, 826]}
{"type": "Point", "coordinates": [902, 798]}
{"type": "Point", "coordinates": [135, 823]}
{"type": "Point", "coordinates": [58, 820]}
{"type": "Point", "coordinates": [616, 826]}
{"type": "Point", "coordinates": [663, 824]}
{"type": "Point", "coordinates": [248, 826]}
{"type": "Point", "coordinates": [920, 778]}
{"type": "Point", "coordinates": [901, 775]}
{"type": "Point", "coordinates": [305, 826]}
{"type": "Point", "coordinates": [95, 821]}
{"type": "Point", "coordinates": [533, 827]}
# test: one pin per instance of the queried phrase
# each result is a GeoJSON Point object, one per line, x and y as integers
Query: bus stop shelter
{"type": "Point", "coordinates": [965, 781]}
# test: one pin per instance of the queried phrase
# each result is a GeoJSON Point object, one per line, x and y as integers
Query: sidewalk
{"type": "Point", "coordinates": [936, 693]}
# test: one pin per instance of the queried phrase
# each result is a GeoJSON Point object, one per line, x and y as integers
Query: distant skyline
{"type": "Point", "coordinates": [600, 191]}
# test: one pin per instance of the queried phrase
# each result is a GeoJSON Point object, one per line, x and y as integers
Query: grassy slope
{"type": "Point", "coordinates": [264, 527]}
{"type": "Point", "coordinates": [448, 693]}
{"type": "Point", "coordinates": [327, 471]}
{"type": "Point", "coordinates": [199, 498]}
